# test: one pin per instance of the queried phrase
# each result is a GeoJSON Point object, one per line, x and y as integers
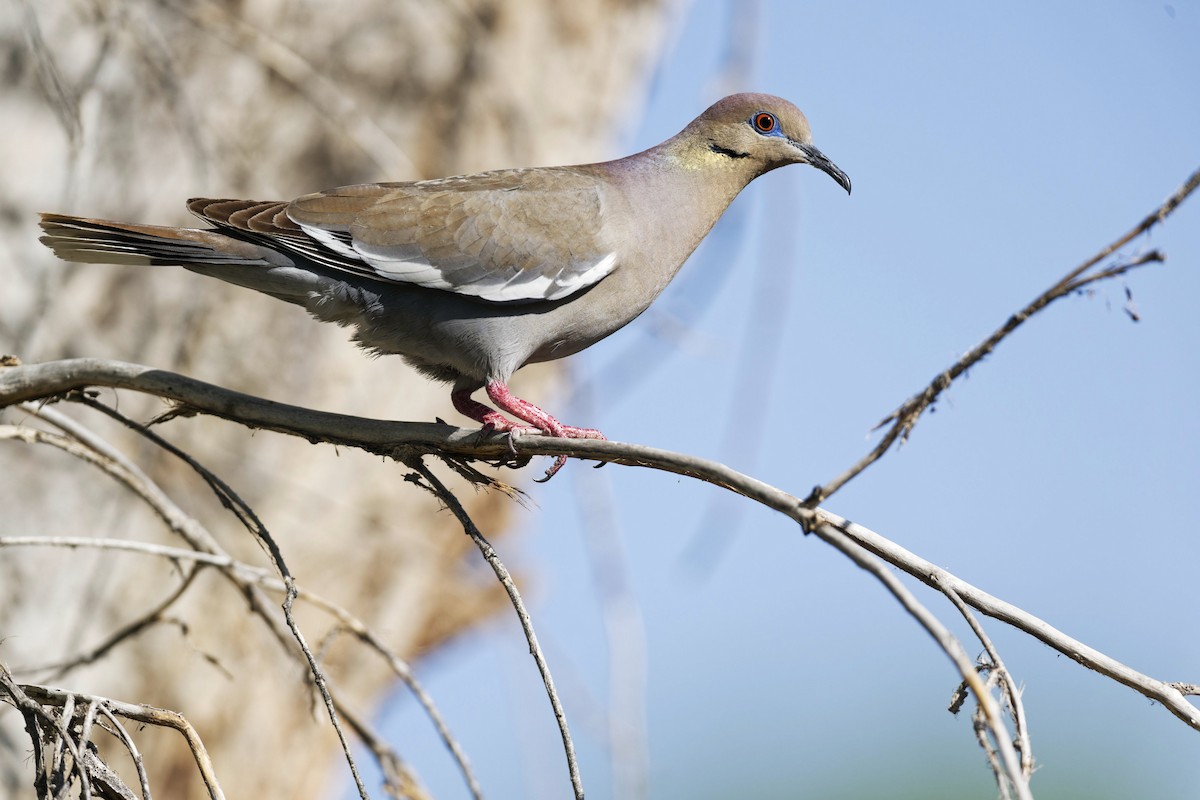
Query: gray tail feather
{"type": "Point", "coordinates": [98, 241]}
{"type": "Point", "coordinates": [208, 252]}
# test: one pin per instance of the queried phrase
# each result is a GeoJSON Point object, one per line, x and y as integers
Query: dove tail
{"type": "Point", "coordinates": [98, 241]}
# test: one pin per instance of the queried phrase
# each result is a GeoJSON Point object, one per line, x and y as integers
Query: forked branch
{"type": "Point", "coordinates": [905, 418]}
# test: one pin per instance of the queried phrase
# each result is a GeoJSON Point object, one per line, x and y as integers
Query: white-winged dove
{"type": "Point", "coordinates": [471, 278]}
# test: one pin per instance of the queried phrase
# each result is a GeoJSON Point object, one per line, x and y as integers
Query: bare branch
{"type": "Point", "coordinates": [905, 417]}
{"type": "Point", "coordinates": [118, 730]}
{"type": "Point", "coordinates": [245, 574]}
{"type": "Point", "coordinates": [90, 656]}
{"type": "Point", "coordinates": [995, 668]}
{"type": "Point", "coordinates": [245, 514]}
{"type": "Point", "coordinates": [625, 633]}
{"type": "Point", "coordinates": [399, 781]}
{"type": "Point", "coordinates": [147, 715]}
{"type": "Point", "coordinates": [246, 577]}
{"type": "Point", "coordinates": [33, 381]}
{"type": "Point", "coordinates": [1007, 768]}
{"type": "Point", "coordinates": [935, 577]}
{"type": "Point", "coordinates": [535, 649]}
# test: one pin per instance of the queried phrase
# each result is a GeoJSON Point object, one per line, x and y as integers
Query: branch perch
{"type": "Point", "coordinates": [55, 379]}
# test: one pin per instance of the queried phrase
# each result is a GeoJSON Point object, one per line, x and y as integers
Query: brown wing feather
{"type": "Point", "coordinates": [504, 236]}
{"type": "Point", "coordinates": [268, 223]}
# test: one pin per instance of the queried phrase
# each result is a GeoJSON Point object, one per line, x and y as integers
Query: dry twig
{"type": "Point", "coordinates": [35, 704]}
{"type": "Point", "coordinates": [85, 444]}
{"type": "Point", "coordinates": [905, 418]}
{"type": "Point", "coordinates": [439, 490]}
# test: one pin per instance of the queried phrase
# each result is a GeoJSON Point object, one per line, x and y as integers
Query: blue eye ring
{"type": "Point", "coordinates": [764, 122]}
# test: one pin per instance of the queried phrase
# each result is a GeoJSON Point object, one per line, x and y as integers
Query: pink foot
{"type": "Point", "coordinates": [527, 411]}
{"type": "Point", "coordinates": [489, 418]}
{"type": "Point", "coordinates": [523, 410]}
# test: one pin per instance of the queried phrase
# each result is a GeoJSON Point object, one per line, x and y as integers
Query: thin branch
{"type": "Point", "coordinates": [404, 672]}
{"type": "Point", "coordinates": [399, 781]}
{"type": "Point", "coordinates": [247, 573]}
{"type": "Point", "coordinates": [86, 436]}
{"type": "Point", "coordinates": [1009, 767]}
{"type": "Point", "coordinates": [245, 577]}
{"type": "Point", "coordinates": [625, 634]}
{"type": "Point", "coordinates": [145, 621]}
{"type": "Point", "coordinates": [76, 749]}
{"type": "Point", "coordinates": [91, 448]}
{"type": "Point", "coordinates": [996, 667]}
{"type": "Point", "coordinates": [905, 417]}
{"type": "Point", "coordinates": [118, 730]}
{"type": "Point", "coordinates": [88, 720]}
{"type": "Point", "coordinates": [935, 577]}
{"type": "Point", "coordinates": [493, 559]}
{"type": "Point", "coordinates": [249, 519]}
{"type": "Point", "coordinates": [147, 715]}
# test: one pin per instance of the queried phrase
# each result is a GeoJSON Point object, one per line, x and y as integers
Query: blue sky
{"type": "Point", "coordinates": [992, 148]}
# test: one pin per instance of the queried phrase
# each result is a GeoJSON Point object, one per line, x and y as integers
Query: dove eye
{"type": "Point", "coordinates": [764, 122]}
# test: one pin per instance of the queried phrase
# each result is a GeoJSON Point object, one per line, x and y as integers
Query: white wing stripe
{"type": "Point", "coordinates": [331, 241]}
{"type": "Point", "coordinates": [405, 265]}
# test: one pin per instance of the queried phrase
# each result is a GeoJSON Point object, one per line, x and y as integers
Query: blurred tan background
{"type": "Point", "coordinates": [125, 109]}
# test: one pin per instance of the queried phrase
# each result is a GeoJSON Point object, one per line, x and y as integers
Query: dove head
{"type": "Point", "coordinates": [760, 132]}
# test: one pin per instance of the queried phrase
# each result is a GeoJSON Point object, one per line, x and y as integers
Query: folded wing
{"type": "Point", "coordinates": [511, 235]}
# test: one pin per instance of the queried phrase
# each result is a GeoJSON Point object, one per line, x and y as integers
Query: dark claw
{"type": "Point", "coordinates": [512, 462]}
{"type": "Point", "coordinates": [559, 461]}
{"type": "Point", "coordinates": [484, 432]}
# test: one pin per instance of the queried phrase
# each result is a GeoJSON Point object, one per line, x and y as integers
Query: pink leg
{"type": "Point", "coordinates": [528, 412]}
{"type": "Point", "coordinates": [469, 407]}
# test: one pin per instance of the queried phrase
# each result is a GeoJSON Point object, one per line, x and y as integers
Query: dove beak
{"type": "Point", "coordinates": [816, 158]}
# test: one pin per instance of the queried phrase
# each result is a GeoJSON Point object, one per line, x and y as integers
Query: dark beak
{"type": "Point", "coordinates": [819, 160]}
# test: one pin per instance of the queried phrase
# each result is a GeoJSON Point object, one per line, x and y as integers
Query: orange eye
{"type": "Point", "coordinates": [764, 122]}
